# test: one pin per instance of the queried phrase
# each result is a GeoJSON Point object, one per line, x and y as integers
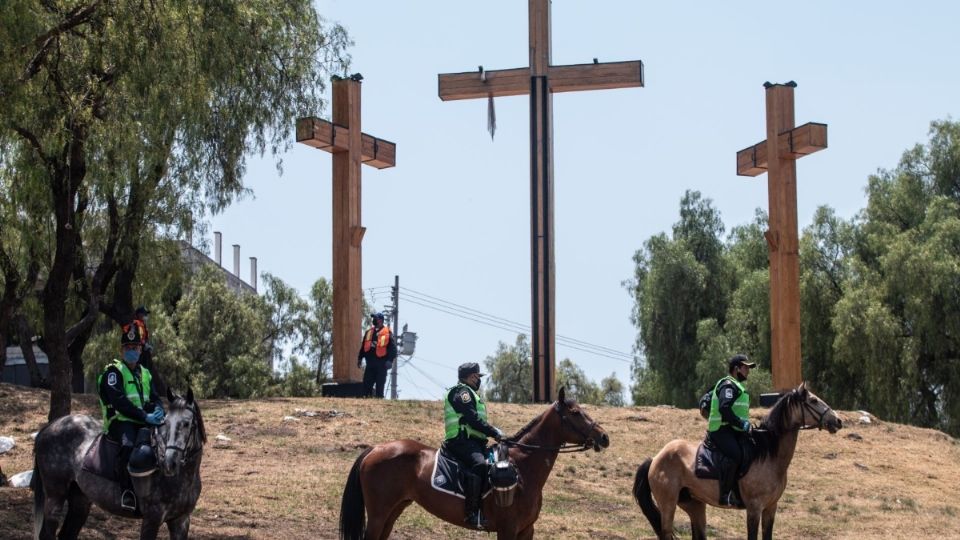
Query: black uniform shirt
{"type": "Point", "coordinates": [463, 402]}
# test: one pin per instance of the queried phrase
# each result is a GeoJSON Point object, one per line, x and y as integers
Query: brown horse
{"type": "Point", "coordinates": [386, 478]}
{"type": "Point", "coordinates": [669, 475]}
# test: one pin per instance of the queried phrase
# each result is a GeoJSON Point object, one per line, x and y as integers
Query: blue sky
{"type": "Point", "coordinates": [452, 219]}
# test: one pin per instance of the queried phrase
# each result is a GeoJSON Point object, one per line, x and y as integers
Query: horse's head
{"type": "Point", "coordinates": [577, 426]}
{"type": "Point", "coordinates": [813, 412]}
{"type": "Point", "coordinates": [182, 435]}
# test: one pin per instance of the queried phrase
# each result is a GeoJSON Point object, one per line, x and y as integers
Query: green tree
{"type": "Point", "coordinates": [578, 386]}
{"type": "Point", "coordinates": [287, 314]}
{"type": "Point", "coordinates": [142, 114]}
{"type": "Point", "coordinates": [222, 338]}
{"type": "Point", "coordinates": [677, 282]}
{"type": "Point", "coordinates": [611, 391]}
{"type": "Point", "coordinates": [317, 331]}
{"type": "Point", "coordinates": [299, 380]}
{"type": "Point", "coordinates": [510, 371]}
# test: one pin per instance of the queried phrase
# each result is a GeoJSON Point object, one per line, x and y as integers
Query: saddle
{"type": "Point", "coordinates": [101, 458]}
{"type": "Point", "coordinates": [447, 476]}
{"type": "Point", "coordinates": [709, 460]}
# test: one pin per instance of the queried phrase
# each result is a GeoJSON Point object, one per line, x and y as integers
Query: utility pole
{"type": "Point", "coordinates": [396, 337]}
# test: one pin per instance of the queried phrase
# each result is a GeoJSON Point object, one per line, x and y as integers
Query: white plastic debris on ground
{"type": "Point", "coordinates": [6, 443]}
{"type": "Point", "coordinates": [21, 480]}
{"type": "Point", "coordinates": [223, 438]}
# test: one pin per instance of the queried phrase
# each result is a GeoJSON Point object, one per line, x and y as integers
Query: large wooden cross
{"type": "Point", "coordinates": [350, 148]}
{"type": "Point", "coordinates": [540, 80]}
{"type": "Point", "coordinates": [777, 156]}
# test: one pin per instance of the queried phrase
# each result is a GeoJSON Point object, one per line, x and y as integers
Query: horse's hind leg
{"type": "Point", "coordinates": [387, 525]}
{"type": "Point", "coordinates": [78, 508]}
{"type": "Point", "coordinates": [697, 511]}
{"type": "Point", "coordinates": [51, 507]}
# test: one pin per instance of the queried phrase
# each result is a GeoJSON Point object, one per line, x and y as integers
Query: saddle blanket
{"type": "Point", "coordinates": [446, 476]}
{"type": "Point", "coordinates": [101, 458]}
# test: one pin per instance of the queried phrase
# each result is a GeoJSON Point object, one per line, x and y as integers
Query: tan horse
{"type": "Point", "coordinates": [386, 478]}
{"type": "Point", "coordinates": [669, 475]}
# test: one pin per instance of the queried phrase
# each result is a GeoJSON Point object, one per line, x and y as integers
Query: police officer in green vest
{"type": "Point", "coordinates": [128, 402]}
{"type": "Point", "coordinates": [465, 421]}
{"type": "Point", "coordinates": [729, 425]}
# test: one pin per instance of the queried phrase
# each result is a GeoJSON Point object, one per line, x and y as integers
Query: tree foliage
{"type": "Point", "coordinates": [122, 120]}
{"type": "Point", "coordinates": [880, 297]}
{"type": "Point", "coordinates": [510, 373]}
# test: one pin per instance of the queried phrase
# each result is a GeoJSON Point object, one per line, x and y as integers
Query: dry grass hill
{"type": "Point", "coordinates": [281, 478]}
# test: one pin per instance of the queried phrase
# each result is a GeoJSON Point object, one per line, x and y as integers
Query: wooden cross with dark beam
{"type": "Point", "coordinates": [350, 147]}
{"type": "Point", "coordinates": [540, 80]}
{"type": "Point", "coordinates": [777, 156]}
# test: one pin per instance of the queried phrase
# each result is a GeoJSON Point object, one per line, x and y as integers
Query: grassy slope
{"type": "Point", "coordinates": [281, 479]}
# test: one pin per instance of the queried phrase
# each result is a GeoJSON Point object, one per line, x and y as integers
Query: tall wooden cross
{"type": "Point", "coordinates": [350, 148]}
{"type": "Point", "coordinates": [540, 80]}
{"type": "Point", "coordinates": [777, 156]}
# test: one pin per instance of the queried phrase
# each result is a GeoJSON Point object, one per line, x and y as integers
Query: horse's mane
{"type": "Point", "coordinates": [181, 403]}
{"type": "Point", "coordinates": [536, 419]}
{"type": "Point", "coordinates": [774, 425]}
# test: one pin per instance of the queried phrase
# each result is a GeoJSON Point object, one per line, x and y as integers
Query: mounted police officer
{"type": "Point", "coordinates": [129, 402]}
{"type": "Point", "coordinates": [379, 349]}
{"type": "Point", "coordinates": [465, 422]}
{"type": "Point", "coordinates": [729, 425]}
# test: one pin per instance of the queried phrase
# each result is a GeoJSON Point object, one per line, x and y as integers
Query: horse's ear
{"type": "Point", "coordinates": [170, 396]}
{"type": "Point", "coordinates": [561, 396]}
{"type": "Point", "coordinates": [802, 389]}
{"type": "Point", "coordinates": [189, 395]}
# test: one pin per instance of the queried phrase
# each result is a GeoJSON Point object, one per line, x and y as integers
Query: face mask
{"type": "Point", "coordinates": [741, 377]}
{"type": "Point", "coordinates": [131, 356]}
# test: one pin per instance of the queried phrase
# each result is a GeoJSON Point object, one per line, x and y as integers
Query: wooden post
{"type": "Point", "coordinates": [777, 156]}
{"type": "Point", "coordinates": [350, 147]}
{"type": "Point", "coordinates": [541, 80]}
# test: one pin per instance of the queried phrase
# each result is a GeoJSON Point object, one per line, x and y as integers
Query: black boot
{"type": "Point", "coordinates": [471, 488]}
{"type": "Point", "coordinates": [728, 484]}
{"type": "Point", "coordinates": [128, 499]}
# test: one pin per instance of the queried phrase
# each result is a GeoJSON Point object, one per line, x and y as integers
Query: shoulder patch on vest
{"type": "Point", "coordinates": [465, 396]}
{"type": "Point", "coordinates": [728, 393]}
{"type": "Point", "coordinates": [111, 379]}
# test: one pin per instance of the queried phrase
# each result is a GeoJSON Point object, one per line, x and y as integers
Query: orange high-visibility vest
{"type": "Point", "coordinates": [383, 339]}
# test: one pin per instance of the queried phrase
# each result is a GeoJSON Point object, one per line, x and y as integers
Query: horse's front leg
{"type": "Point", "coordinates": [525, 534]}
{"type": "Point", "coordinates": [753, 523]}
{"type": "Point", "coordinates": [149, 528]}
{"type": "Point", "coordinates": [179, 528]}
{"type": "Point", "coordinates": [769, 513]}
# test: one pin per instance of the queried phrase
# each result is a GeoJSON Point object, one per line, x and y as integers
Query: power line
{"type": "Point", "coordinates": [477, 316]}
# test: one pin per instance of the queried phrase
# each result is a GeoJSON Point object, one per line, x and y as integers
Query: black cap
{"type": "Point", "coordinates": [465, 370]}
{"type": "Point", "coordinates": [377, 316]}
{"type": "Point", "coordinates": [130, 335]}
{"type": "Point", "coordinates": [740, 360]}
{"type": "Point", "coordinates": [142, 310]}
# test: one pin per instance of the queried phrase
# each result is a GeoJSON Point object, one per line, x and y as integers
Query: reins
{"type": "Point", "coordinates": [565, 448]}
{"type": "Point", "coordinates": [161, 445]}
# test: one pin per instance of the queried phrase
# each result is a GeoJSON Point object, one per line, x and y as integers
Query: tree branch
{"type": "Point", "coordinates": [44, 41]}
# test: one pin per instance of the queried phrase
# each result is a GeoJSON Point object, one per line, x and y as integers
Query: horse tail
{"type": "Point", "coordinates": [641, 492]}
{"type": "Point", "coordinates": [352, 511]}
{"type": "Point", "coordinates": [36, 484]}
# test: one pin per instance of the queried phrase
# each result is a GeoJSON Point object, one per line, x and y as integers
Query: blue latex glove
{"type": "Point", "coordinates": [155, 418]}
{"type": "Point", "coordinates": [746, 426]}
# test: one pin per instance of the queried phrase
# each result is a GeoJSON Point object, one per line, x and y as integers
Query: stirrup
{"type": "Point", "coordinates": [732, 500]}
{"type": "Point", "coordinates": [476, 521]}
{"type": "Point", "coordinates": [128, 500]}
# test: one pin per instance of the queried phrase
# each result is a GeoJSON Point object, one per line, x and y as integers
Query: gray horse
{"type": "Point", "coordinates": [58, 475]}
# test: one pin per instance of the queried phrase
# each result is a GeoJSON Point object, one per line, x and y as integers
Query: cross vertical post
{"type": "Point", "coordinates": [350, 148]}
{"type": "Point", "coordinates": [540, 80]}
{"type": "Point", "coordinates": [778, 155]}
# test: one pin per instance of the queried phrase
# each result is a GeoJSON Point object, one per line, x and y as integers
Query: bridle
{"type": "Point", "coordinates": [819, 416]}
{"type": "Point", "coordinates": [192, 444]}
{"type": "Point", "coordinates": [565, 448]}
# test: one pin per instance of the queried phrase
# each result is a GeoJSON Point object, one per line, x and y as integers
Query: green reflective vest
{"type": "Point", "coordinates": [741, 407]}
{"type": "Point", "coordinates": [451, 418]}
{"type": "Point", "coordinates": [133, 388]}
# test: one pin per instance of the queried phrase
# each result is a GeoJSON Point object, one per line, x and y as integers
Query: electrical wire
{"type": "Point", "coordinates": [473, 315]}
